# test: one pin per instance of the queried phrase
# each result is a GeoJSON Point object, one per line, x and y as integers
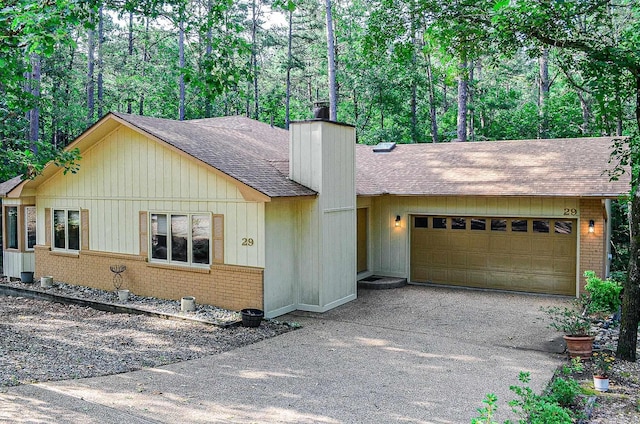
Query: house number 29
{"type": "Point", "coordinates": [571, 212]}
{"type": "Point", "coordinates": [247, 241]}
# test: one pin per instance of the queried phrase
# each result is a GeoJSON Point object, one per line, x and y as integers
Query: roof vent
{"type": "Point", "coordinates": [384, 147]}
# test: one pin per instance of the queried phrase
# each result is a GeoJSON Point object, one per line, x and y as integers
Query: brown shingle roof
{"type": "Point", "coordinates": [249, 151]}
{"type": "Point", "coordinates": [256, 154]}
{"type": "Point", "coordinates": [9, 185]}
{"type": "Point", "coordinates": [556, 167]}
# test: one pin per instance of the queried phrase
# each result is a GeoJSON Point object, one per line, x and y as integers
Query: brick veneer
{"type": "Point", "coordinates": [592, 245]}
{"type": "Point", "coordinates": [226, 286]}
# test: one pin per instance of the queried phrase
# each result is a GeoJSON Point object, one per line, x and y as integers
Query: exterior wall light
{"type": "Point", "coordinates": [592, 225]}
{"type": "Point", "coordinates": [397, 220]}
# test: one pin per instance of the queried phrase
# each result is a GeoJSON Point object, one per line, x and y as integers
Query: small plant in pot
{"type": "Point", "coordinates": [575, 323]}
{"type": "Point", "coordinates": [602, 365]}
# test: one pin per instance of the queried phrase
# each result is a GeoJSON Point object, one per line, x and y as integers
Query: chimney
{"type": "Point", "coordinates": [322, 157]}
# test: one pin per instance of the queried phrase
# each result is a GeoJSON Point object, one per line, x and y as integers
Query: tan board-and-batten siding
{"type": "Point", "coordinates": [128, 175]}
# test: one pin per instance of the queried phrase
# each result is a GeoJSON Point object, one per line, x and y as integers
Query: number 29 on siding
{"type": "Point", "coordinates": [247, 241]}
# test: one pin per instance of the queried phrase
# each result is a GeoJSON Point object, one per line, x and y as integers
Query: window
{"type": "Point", "coordinates": [458, 223]}
{"type": "Point", "coordinates": [30, 227]}
{"type": "Point", "coordinates": [563, 227]}
{"type": "Point", "coordinates": [181, 238]}
{"type": "Point", "coordinates": [519, 225]}
{"type": "Point", "coordinates": [11, 227]}
{"type": "Point", "coordinates": [540, 226]}
{"type": "Point", "coordinates": [439, 222]}
{"type": "Point", "coordinates": [66, 229]}
{"type": "Point", "coordinates": [421, 222]}
{"type": "Point", "coordinates": [498, 225]}
{"type": "Point", "coordinates": [479, 224]}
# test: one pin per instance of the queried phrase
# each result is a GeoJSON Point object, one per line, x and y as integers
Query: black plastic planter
{"type": "Point", "coordinates": [251, 317]}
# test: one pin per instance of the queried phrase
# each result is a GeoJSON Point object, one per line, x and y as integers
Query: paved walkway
{"type": "Point", "coordinates": [409, 355]}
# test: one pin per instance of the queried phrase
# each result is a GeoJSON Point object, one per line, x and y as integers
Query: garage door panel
{"type": "Point", "coordinates": [544, 265]}
{"type": "Point", "coordinates": [499, 243]}
{"type": "Point", "coordinates": [459, 239]}
{"type": "Point", "coordinates": [457, 260]}
{"type": "Point", "coordinates": [498, 262]}
{"type": "Point", "coordinates": [478, 278]}
{"type": "Point", "coordinates": [520, 263]}
{"type": "Point", "coordinates": [563, 266]}
{"type": "Point", "coordinates": [477, 261]}
{"type": "Point", "coordinates": [478, 242]}
{"type": "Point", "coordinates": [526, 261]}
{"type": "Point", "coordinates": [519, 245]}
{"type": "Point", "coordinates": [458, 276]}
{"type": "Point", "coordinates": [542, 245]}
{"type": "Point", "coordinates": [563, 247]}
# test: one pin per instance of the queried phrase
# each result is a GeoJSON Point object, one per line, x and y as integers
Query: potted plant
{"type": "Point", "coordinates": [575, 323]}
{"type": "Point", "coordinates": [602, 366]}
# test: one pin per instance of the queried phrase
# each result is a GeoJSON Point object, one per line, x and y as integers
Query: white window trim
{"type": "Point", "coordinates": [5, 230]}
{"type": "Point", "coordinates": [189, 262]}
{"type": "Point", "coordinates": [26, 229]}
{"type": "Point", "coordinates": [66, 230]}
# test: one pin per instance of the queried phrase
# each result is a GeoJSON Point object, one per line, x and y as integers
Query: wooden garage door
{"type": "Point", "coordinates": [522, 254]}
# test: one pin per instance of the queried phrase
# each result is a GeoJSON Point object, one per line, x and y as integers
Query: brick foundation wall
{"type": "Point", "coordinates": [592, 245]}
{"type": "Point", "coordinates": [226, 286]}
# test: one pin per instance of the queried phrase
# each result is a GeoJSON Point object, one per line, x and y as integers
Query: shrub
{"type": "Point", "coordinates": [532, 408]}
{"type": "Point", "coordinates": [604, 295]}
{"type": "Point", "coordinates": [564, 391]}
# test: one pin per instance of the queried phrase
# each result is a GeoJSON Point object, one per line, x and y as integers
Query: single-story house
{"type": "Point", "coordinates": [240, 214]}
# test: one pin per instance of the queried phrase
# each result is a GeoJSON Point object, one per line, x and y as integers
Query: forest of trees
{"type": "Point", "coordinates": [406, 70]}
{"type": "Point", "coordinates": [409, 71]}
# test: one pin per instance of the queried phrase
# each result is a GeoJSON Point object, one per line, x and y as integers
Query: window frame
{"type": "Point", "coordinates": [6, 232]}
{"type": "Point", "coordinates": [66, 230]}
{"type": "Point", "coordinates": [190, 262]}
{"type": "Point", "coordinates": [26, 228]}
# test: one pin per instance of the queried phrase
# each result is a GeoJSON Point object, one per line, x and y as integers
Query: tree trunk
{"type": "Point", "coordinates": [543, 94]}
{"type": "Point", "coordinates": [254, 58]}
{"type": "Point", "coordinates": [287, 117]}
{"type": "Point", "coordinates": [586, 112]}
{"type": "Point", "coordinates": [34, 113]}
{"type": "Point", "coordinates": [100, 63]}
{"type": "Point", "coordinates": [181, 65]}
{"type": "Point", "coordinates": [129, 95]}
{"type": "Point", "coordinates": [333, 107]}
{"type": "Point", "coordinates": [91, 63]}
{"type": "Point", "coordinates": [463, 91]}
{"type": "Point", "coordinates": [432, 102]}
{"type": "Point", "coordinates": [628, 340]}
{"type": "Point", "coordinates": [208, 107]}
{"type": "Point", "coordinates": [470, 111]}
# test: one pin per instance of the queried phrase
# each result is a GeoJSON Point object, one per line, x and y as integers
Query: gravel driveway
{"type": "Point", "coordinates": [420, 355]}
{"type": "Point", "coordinates": [45, 341]}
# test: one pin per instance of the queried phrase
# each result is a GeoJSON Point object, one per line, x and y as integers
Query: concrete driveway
{"type": "Point", "coordinates": [410, 355]}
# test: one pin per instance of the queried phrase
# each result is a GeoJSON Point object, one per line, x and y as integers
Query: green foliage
{"type": "Point", "coordinates": [572, 321]}
{"type": "Point", "coordinates": [604, 295]}
{"type": "Point", "coordinates": [564, 391]}
{"type": "Point", "coordinates": [602, 363]}
{"type": "Point", "coordinates": [552, 407]}
{"type": "Point", "coordinates": [486, 412]}
{"type": "Point", "coordinates": [537, 409]}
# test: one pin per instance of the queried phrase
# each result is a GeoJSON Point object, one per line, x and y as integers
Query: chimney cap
{"type": "Point", "coordinates": [321, 110]}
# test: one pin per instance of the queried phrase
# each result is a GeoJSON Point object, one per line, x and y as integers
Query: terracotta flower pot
{"type": "Point", "coordinates": [581, 346]}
